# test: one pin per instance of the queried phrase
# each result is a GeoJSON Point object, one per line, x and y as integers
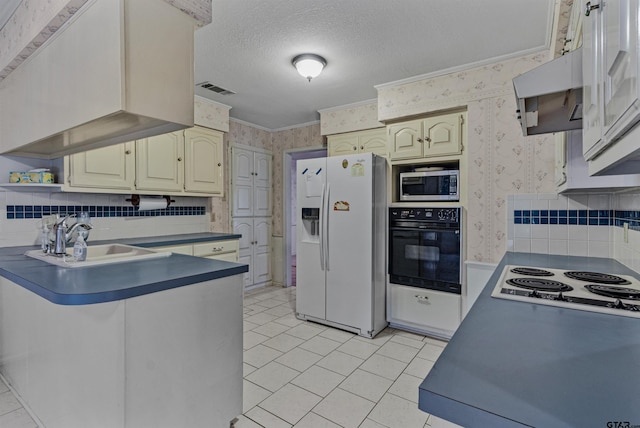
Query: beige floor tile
{"type": "Point", "coordinates": [17, 419]}
{"type": "Point", "coordinates": [430, 352]}
{"type": "Point", "coordinates": [280, 311]}
{"type": "Point", "coordinates": [320, 345]}
{"type": "Point", "coordinates": [261, 318]}
{"type": "Point", "coordinates": [246, 369]}
{"type": "Point", "coordinates": [312, 420]}
{"type": "Point", "coordinates": [260, 355]}
{"type": "Point", "coordinates": [358, 348]}
{"type": "Point", "coordinates": [290, 403]}
{"type": "Point", "coordinates": [415, 343]}
{"type": "Point", "coordinates": [252, 394]}
{"type": "Point", "coordinates": [382, 338]}
{"type": "Point", "coordinates": [283, 342]}
{"type": "Point", "coordinates": [394, 411]}
{"type": "Point", "coordinates": [340, 362]}
{"type": "Point", "coordinates": [271, 329]}
{"type": "Point", "coordinates": [266, 419]}
{"type": "Point", "coordinates": [398, 351]}
{"type": "Point", "coordinates": [337, 335]}
{"type": "Point", "coordinates": [406, 386]}
{"type": "Point", "coordinates": [248, 301]}
{"type": "Point", "coordinates": [344, 408]}
{"type": "Point", "coordinates": [384, 366]}
{"type": "Point", "coordinates": [299, 359]}
{"type": "Point", "coordinates": [410, 334]}
{"type": "Point", "coordinates": [368, 423]}
{"type": "Point", "coordinates": [366, 385]}
{"type": "Point", "coordinates": [247, 326]}
{"type": "Point", "coordinates": [269, 303]}
{"type": "Point", "coordinates": [8, 402]}
{"type": "Point", "coordinates": [272, 376]}
{"type": "Point", "coordinates": [289, 320]}
{"type": "Point", "coordinates": [251, 339]}
{"type": "Point", "coordinates": [305, 331]}
{"type": "Point", "coordinates": [254, 309]}
{"type": "Point", "coordinates": [419, 367]}
{"type": "Point", "coordinates": [318, 380]}
{"type": "Point", "coordinates": [245, 422]}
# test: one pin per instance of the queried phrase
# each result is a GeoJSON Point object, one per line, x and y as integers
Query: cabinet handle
{"type": "Point", "coordinates": [216, 249]}
{"type": "Point", "coordinates": [179, 159]}
{"type": "Point", "coordinates": [589, 7]}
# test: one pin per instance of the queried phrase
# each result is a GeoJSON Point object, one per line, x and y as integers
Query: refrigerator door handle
{"type": "Point", "coordinates": [326, 228]}
{"type": "Point", "coordinates": [321, 227]}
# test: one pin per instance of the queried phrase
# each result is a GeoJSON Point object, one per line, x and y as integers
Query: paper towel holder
{"type": "Point", "coordinates": [135, 200]}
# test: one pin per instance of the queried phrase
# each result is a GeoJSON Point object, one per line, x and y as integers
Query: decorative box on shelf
{"type": "Point", "coordinates": [30, 177]}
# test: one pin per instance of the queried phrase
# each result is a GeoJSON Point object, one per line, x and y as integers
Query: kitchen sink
{"type": "Point", "coordinates": [100, 255]}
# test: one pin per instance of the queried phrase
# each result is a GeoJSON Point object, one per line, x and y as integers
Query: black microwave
{"type": "Point", "coordinates": [430, 186]}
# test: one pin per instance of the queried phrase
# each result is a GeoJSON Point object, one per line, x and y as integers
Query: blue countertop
{"type": "Point", "coordinates": [513, 364]}
{"type": "Point", "coordinates": [106, 283]}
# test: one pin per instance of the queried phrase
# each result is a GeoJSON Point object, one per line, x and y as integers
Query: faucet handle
{"type": "Point", "coordinates": [64, 220]}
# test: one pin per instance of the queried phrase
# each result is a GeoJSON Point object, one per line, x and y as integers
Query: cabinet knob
{"type": "Point", "coordinates": [428, 140]}
{"type": "Point", "coordinates": [419, 140]}
{"type": "Point", "coordinates": [219, 164]}
{"type": "Point", "coordinates": [355, 148]}
{"type": "Point", "coordinates": [179, 159]}
{"type": "Point", "coordinates": [127, 152]}
{"type": "Point", "coordinates": [589, 7]}
{"type": "Point", "coordinates": [361, 147]}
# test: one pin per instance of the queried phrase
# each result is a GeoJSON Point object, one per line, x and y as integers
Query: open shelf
{"type": "Point", "coordinates": [33, 187]}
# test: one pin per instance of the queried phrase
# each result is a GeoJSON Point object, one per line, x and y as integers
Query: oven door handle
{"type": "Point", "coordinates": [416, 229]}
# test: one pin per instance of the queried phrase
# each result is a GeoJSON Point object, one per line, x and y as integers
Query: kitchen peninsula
{"type": "Point", "coordinates": [513, 364]}
{"type": "Point", "coordinates": [146, 343]}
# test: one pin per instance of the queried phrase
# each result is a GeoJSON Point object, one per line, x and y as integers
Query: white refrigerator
{"type": "Point", "coordinates": [341, 242]}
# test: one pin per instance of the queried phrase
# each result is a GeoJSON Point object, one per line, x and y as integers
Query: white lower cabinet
{"type": "Point", "coordinates": [426, 311]}
{"type": "Point", "coordinates": [226, 250]}
{"type": "Point", "coordinates": [254, 248]}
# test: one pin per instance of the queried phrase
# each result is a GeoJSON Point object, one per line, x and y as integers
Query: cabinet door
{"type": "Point", "coordinates": [109, 167]}
{"type": "Point", "coordinates": [262, 250]}
{"type": "Point", "coordinates": [160, 162]}
{"type": "Point", "coordinates": [405, 140]}
{"type": "Point", "coordinates": [346, 144]}
{"type": "Point", "coordinates": [262, 184]}
{"type": "Point", "coordinates": [374, 141]}
{"type": "Point", "coordinates": [442, 135]}
{"type": "Point", "coordinates": [244, 227]}
{"type": "Point", "coordinates": [621, 102]}
{"type": "Point", "coordinates": [204, 171]}
{"type": "Point", "coordinates": [242, 182]}
{"type": "Point", "coordinates": [592, 106]}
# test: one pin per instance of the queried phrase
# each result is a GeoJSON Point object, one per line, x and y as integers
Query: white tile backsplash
{"type": "Point", "coordinates": [577, 239]}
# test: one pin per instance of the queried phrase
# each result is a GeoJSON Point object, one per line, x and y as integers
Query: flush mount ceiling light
{"type": "Point", "coordinates": [309, 65]}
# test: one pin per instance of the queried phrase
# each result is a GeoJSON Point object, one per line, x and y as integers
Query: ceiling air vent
{"type": "Point", "coordinates": [213, 88]}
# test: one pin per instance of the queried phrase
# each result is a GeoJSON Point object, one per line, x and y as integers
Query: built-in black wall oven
{"type": "Point", "coordinates": [425, 248]}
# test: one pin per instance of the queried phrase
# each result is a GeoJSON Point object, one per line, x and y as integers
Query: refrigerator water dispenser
{"type": "Point", "coordinates": [310, 221]}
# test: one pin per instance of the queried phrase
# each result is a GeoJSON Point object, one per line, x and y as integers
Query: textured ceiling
{"type": "Point", "coordinates": [250, 43]}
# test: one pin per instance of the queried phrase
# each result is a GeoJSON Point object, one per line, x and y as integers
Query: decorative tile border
{"type": "Point", "coordinates": [15, 212]}
{"type": "Point", "coordinates": [578, 217]}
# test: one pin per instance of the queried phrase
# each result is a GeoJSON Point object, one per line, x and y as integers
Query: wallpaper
{"type": "Point", "coordinates": [349, 118]}
{"type": "Point", "coordinates": [35, 21]}
{"type": "Point", "coordinates": [211, 114]}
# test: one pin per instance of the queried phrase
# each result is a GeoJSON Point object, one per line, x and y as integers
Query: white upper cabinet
{"type": "Point", "coordinates": [106, 169]}
{"type": "Point", "coordinates": [611, 66]}
{"type": "Point", "coordinates": [204, 170]}
{"type": "Point", "coordinates": [369, 141]}
{"type": "Point", "coordinates": [159, 163]}
{"type": "Point", "coordinates": [251, 183]}
{"type": "Point", "coordinates": [434, 136]}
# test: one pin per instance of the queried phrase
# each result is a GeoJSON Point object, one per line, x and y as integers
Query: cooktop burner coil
{"type": "Point", "coordinates": [531, 271]}
{"type": "Point", "coordinates": [612, 291]}
{"type": "Point", "coordinates": [597, 277]}
{"type": "Point", "coordinates": [539, 284]}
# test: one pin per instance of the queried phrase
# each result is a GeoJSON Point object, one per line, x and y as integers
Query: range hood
{"type": "Point", "coordinates": [119, 70]}
{"type": "Point", "coordinates": [549, 97]}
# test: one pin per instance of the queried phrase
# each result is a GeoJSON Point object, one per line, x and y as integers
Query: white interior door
{"type": "Point", "coordinates": [244, 227]}
{"type": "Point", "coordinates": [262, 188]}
{"type": "Point", "coordinates": [242, 182]}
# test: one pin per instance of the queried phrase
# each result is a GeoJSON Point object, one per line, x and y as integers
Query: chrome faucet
{"type": "Point", "coordinates": [63, 234]}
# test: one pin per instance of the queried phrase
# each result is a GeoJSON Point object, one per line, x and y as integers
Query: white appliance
{"type": "Point", "coordinates": [341, 242]}
{"type": "Point", "coordinates": [587, 291]}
